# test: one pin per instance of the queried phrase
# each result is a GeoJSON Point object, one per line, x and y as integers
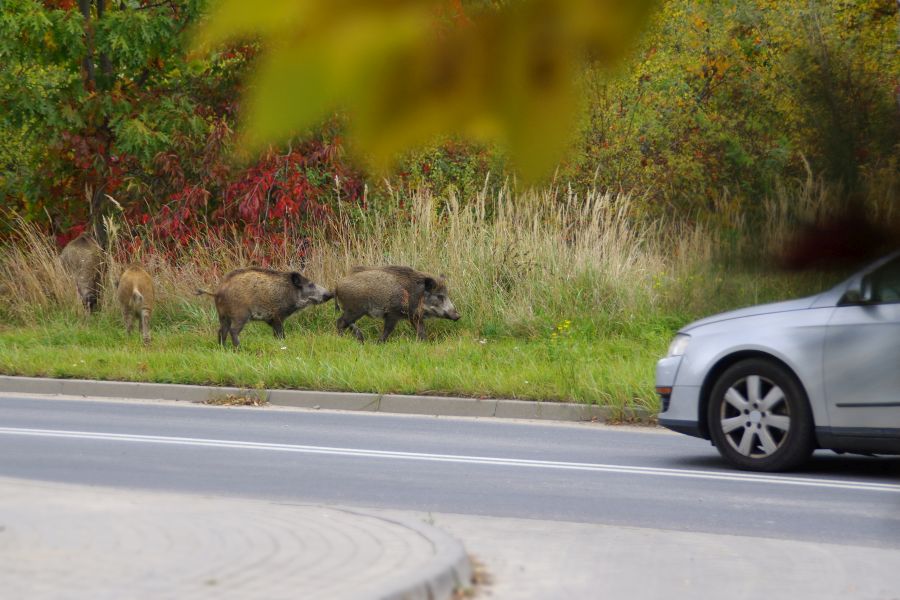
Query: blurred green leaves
{"type": "Point", "coordinates": [406, 71]}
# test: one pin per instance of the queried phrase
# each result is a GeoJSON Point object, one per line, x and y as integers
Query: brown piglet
{"type": "Point", "coordinates": [136, 296]}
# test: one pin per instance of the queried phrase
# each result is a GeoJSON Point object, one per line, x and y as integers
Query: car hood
{"type": "Point", "coordinates": [753, 311]}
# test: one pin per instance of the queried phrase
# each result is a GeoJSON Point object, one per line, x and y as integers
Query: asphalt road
{"type": "Point", "coordinates": [579, 473]}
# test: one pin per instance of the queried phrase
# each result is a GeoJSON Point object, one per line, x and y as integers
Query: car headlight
{"type": "Point", "coordinates": [679, 344]}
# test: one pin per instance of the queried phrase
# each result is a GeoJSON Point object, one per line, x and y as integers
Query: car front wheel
{"type": "Point", "coordinates": [759, 418]}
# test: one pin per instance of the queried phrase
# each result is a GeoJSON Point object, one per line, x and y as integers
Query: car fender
{"type": "Point", "coordinates": [795, 339]}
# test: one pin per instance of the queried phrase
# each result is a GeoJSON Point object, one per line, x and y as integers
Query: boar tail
{"type": "Point", "coordinates": [137, 297]}
{"type": "Point", "coordinates": [200, 292]}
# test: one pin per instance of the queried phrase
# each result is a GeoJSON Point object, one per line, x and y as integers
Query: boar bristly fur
{"type": "Point", "coordinates": [392, 293]}
{"type": "Point", "coordinates": [256, 294]}
{"type": "Point", "coordinates": [82, 258]}
{"type": "Point", "coordinates": [136, 296]}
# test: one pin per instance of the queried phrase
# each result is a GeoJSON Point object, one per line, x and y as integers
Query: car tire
{"type": "Point", "coordinates": [759, 417]}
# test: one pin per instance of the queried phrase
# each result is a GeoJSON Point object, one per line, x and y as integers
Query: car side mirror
{"type": "Point", "coordinates": [861, 293]}
{"type": "Point", "coordinates": [867, 289]}
{"type": "Point", "coordinates": [851, 297]}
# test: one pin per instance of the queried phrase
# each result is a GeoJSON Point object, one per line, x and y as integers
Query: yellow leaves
{"type": "Point", "coordinates": [233, 19]}
{"type": "Point", "coordinates": [49, 42]}
{"type": "Point", "coordinates": [405, 73]}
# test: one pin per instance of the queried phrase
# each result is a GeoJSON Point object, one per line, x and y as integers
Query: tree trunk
{"type": "Point", "coordinates": [98, 191]}
{"type": "Point", "coordinates": [105, 63]}
{"type": "Point", "coordinates": [88, 62]}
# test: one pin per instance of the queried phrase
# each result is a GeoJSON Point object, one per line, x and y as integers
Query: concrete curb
{"type": "Point", "coordinates": [384, 403]}
{"type": "Point", "coordinates": [450, 570]}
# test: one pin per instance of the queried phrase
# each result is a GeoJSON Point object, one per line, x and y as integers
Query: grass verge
{"type": "Point", "coordinates": [615, 372]}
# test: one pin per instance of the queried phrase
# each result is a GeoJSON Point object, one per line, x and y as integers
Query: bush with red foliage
{"type": "Point", "coordinates": [282, 195]}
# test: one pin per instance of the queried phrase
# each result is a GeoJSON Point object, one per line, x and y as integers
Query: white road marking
{"type": "Point", "coordinates": [462, 459]}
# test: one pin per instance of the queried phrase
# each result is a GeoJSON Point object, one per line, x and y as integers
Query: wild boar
{"type": "Point", "coordinates": [136, 298]}
{"type": "Point", "coordinates": [82, 258]}
{"type": "Point", "coordinates": [392, 293]}
{"type": "Point", "coordinates": [256, 294]}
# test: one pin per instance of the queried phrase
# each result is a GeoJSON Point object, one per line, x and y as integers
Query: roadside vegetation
{"type": "Point", "coordinates": [563, 297]}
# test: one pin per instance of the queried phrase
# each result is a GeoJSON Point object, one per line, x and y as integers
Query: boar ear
{"type": "Point", "coordinates": [429, 283]}
{"type": "Point", "coordinates": [297, 280]}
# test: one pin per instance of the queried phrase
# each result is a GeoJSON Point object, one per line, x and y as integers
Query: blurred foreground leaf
{"type": "Point", "coordinates": [406, 71]}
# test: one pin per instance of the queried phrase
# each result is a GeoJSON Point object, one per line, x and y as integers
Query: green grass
{"type": "Point", "coordinates": [612, 371]}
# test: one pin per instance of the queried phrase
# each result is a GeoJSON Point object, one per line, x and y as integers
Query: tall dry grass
{"type": "Point", "coordinates": [32, 279]}
{"type": "Point", "coordinates": [814, 199]}
{"type": "Point", "coordinates": [516, 260]}
{"type": "Point", "coordinates": [516, 263]}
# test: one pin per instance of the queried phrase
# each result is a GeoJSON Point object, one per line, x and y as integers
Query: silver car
{"type": "Point", "coordinates": [769, 384]}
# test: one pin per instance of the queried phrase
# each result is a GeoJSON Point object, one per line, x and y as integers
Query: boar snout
{"type": "Point", "coordinates": [446, 310]}
{"type": "Point", "coordinates": [317, 294]}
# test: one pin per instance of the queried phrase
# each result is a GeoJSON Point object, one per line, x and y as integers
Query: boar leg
{"type": "Point", "coordinates": [390, 321]}
{"type": "Point", "coordinates": [277, 326]}
{"type": "Point", "coordinates": [236, 326]}
{"type": "Point", "coordinates": [129, 321]}
{"type": "Point", "coordinates": [224, 326]}
{"type": "Point", "coordinates": [419, 324]}
{"type": "Point", "coordinates": [145, 326]}
{"type": "Point", "coordinates": [349, 320]}
{"type": "Point", "coordinates": [357, 332]}
{"type": "Point", "coordinates": [92, 298]}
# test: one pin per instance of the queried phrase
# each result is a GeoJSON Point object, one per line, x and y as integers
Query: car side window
{"type": "Point", "coordinates": [886, 282]}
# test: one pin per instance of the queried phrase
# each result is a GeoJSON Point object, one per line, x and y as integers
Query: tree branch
{"type": "Point", "coordinates": [157, 5]}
